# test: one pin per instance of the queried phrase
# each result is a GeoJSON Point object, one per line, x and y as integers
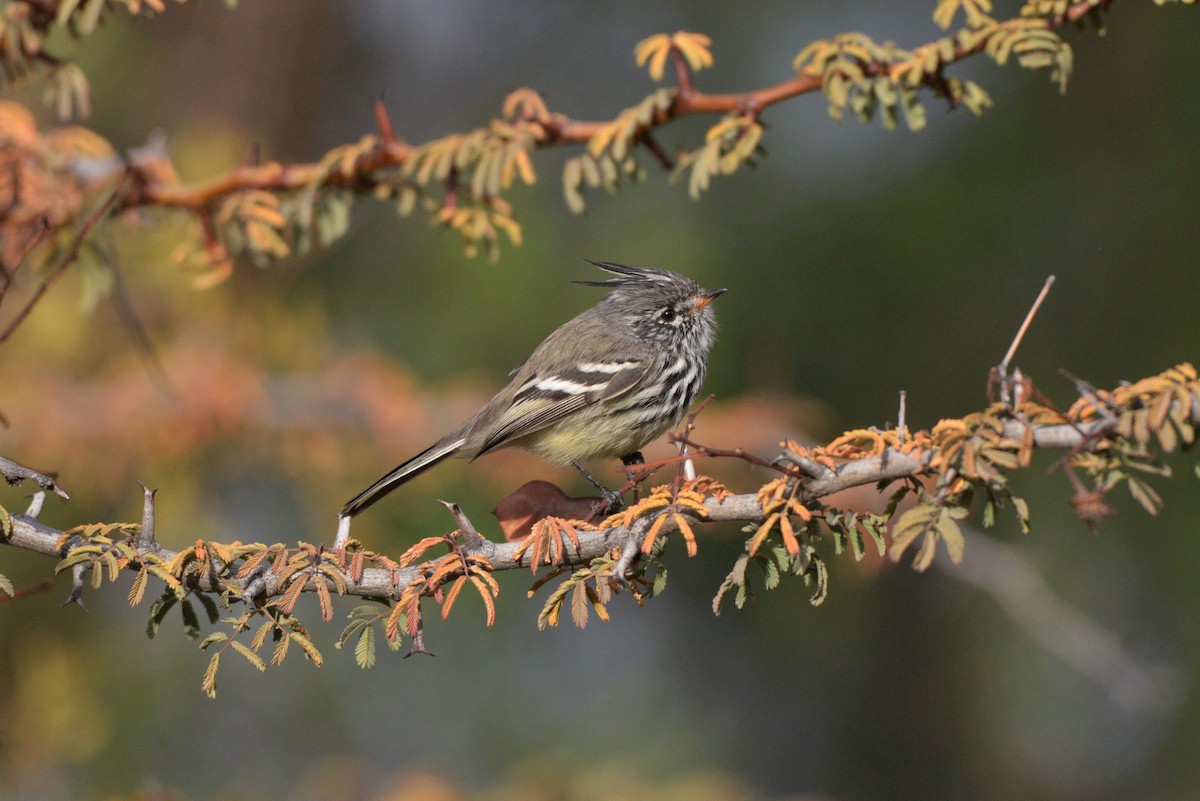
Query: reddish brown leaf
{"type": "Point", "coordinates": [535, 500]}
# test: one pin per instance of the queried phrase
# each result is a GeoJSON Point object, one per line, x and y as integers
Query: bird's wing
{"type": "Point", "coordinates": [544, 399]}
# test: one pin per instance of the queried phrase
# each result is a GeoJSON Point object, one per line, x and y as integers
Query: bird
{"type": "Point", "coordinates": [603, 384]}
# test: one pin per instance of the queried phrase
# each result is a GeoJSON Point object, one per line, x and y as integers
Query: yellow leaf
{"type": "Point", "coordinates": [695, 48]}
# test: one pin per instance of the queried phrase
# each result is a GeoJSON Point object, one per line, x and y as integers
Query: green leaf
{"type": "Point", "coordinates": [820, 574]}
{"type": "Point", "coordinates": [1022, 510]}
{"type": "Point", "coordinates": [660, 581]}
{"type": "Point", "coordinates": [771, 575]}
{"type": "Point", "coordinates": [210, 606]}
{"type": "Point", "coordinates": [349, 632]}
{"type": "Point", "coordinates": [209, 684]}
{"type": "Point", "coordinates": [1144, 494]}
{"type": "Point", "coordinates": [251, 657]}
{"type": "Point", "coordinates": [952, 536]}
{"type": "Point", "coordinates": [191, 623]}
{"type": "Point", "coordinates": [158, 611]}
{"type": "Point", "coordinates": [364, 651]}
{"type": "Point", "coordinates": [215, 637]}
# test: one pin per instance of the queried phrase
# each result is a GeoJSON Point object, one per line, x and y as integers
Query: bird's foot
{"type": "Point", "coordinates": [613, 502]}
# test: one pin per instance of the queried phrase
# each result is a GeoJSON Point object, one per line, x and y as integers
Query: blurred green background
{"type": "Point", "coordinates": [859, 262]}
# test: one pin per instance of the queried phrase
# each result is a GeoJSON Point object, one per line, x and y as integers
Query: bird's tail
{"type": "Point", "coordinates": [398, 475]}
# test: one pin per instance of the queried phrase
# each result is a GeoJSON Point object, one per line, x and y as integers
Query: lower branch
{"type": "Point", "coordinates": [890, 465]}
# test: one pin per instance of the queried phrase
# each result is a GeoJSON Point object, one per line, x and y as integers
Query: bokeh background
{"type": "Point", "coordinates": [859, 262]}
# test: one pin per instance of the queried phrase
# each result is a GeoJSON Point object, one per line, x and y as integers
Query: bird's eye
{"type": "Point", "coordinates": [667, 315]}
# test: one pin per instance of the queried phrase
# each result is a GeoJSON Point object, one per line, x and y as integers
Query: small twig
{"type": "Point", "coordinates": [474, 539]}
{"type": "Point", "coordinates": [387, 132]}
{"type": "Point", "coordinates": [39, 233]}
{"type": "Point", "coordinates": [687, 467]}
{"type": "Point", "coordinates": [70, 258]}
{"type": "Point", "coordinates": [809, 467]}
{"type": "Point", "coordinates": [343, 532]}
{"type": "Point", "coordinates": [1001, 370]}
{"type": "Point", "coordinates": [902, 414]}
{"type": "Point", "coordinates": [15, 473]}
{"type": "Point", "coordinates": [123, 305]}
{"type": "Point", "coordinates": [647, 139]}
{"type": "Point", "coordinates": [33, 589]}
{"type": "Point", "coordinates": [35, 504]}
{"type": "Point", "coordinates": [683, 75]}
{"type": "Point", "coordinates": [1005, 574]}
{"type": "Point", "coordinates": [740, 453]}
{"type": "Point", "coordinates": [146, 541]}
{"type": "Point", "coordinates": [1088, 391]}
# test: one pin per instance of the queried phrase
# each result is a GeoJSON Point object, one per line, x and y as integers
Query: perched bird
{"type": "Point", "coordinates": [603, 384]}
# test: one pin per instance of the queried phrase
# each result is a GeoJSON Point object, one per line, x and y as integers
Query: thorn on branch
{"type": "Point", "coordinates": [1088, 391]}
{"type": "Point", "coordinates": [475, 541]}
{"type": "Point", "coordinates": [418, 642]}
{"type": "Point", "coordinates": [387, 133]}
{"type": "Point", "coordinates": [76, 596]}
{"type": "Point", "coordinates": [253, 156]}
{"type": "Point", "coordinates": [146, 541]}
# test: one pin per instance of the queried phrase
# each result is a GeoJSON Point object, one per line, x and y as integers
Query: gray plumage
{"type": "Point", "coordinates": [603, 384]}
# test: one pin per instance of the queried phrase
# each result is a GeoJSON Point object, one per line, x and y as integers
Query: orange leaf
{"type": "Point", "coordinates": [486, 593]}
{"type": "Point", "coordinates": [452, 595]}
{"type": "Point", "coordinates": [789, 535]}
{"type": "Point", "coordinates": [685, 529]}
{"type": "Point", "coordinates": [652, 534]}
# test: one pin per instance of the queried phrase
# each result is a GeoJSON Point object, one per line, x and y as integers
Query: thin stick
{"type": "Point", "coordinates": [43, 226]}
{"type": "Point", "coordinates": [902, 414]}
{"type": "Point", "coordinates": [71, 257]}
{"type": "Point", "coordinates": [1012, 349]}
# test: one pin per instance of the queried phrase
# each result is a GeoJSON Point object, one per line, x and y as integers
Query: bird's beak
{"type": "Point", "coordinates": [706, 298]}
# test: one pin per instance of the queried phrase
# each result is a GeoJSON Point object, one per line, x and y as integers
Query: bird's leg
{"type": "Point", "coordinates": [631, 462]}
{"type": "Point", "coordinates": [612, 500]}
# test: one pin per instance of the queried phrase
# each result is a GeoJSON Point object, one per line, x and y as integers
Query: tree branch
{"type": "Point", "coordinates": [29, 534]}
{"type": "Point", "coordinates": [555, 129]}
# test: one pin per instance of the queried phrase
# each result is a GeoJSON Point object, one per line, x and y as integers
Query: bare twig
{"type": "Point", "coordinates": [1023, 595]}
{"type": "Point", "coordinates": [1000, 372]}
{"type": "Point", "coordinates": [39, 233]}
{"type": "Point", "coordinates": [14, 473]}
{"type": "Point", "coordinates": [902, 414]}
{"type": "Point", "coordinates": [1012, 349]}
{"type": "Point", "coordinates": [33, 589]}
{"type": "Point", "coordinates": [36, 502]}
{"type": "Point", "coordinates": [69, 259]}
{"type": "Point", "coordinates": [141, 338]}
{"type": "Point", "coordinates": [343, 532]}
{"type": "Point", "coordinates": [740, 453]}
